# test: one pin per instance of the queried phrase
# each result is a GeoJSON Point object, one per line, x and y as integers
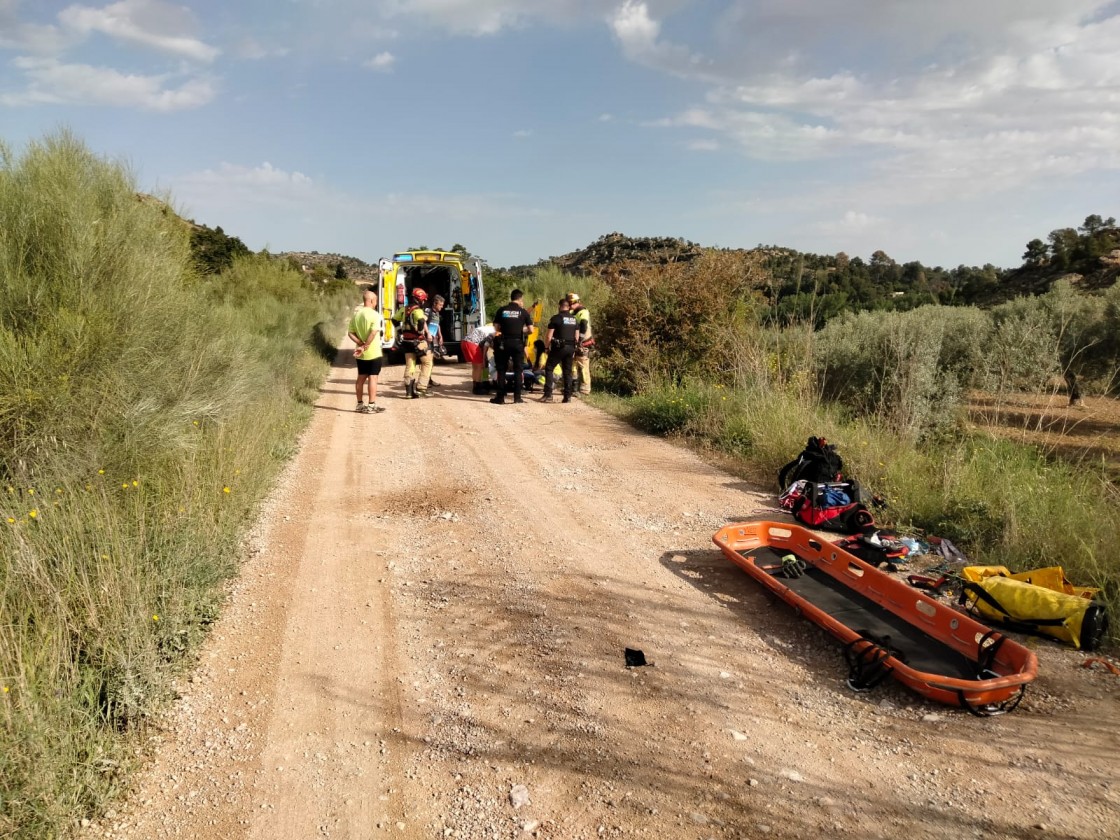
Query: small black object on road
{"type": "Point", "coordinates": [635, 658]}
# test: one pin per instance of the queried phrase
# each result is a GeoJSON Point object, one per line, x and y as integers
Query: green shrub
{"type": "Point", "coordinates": [1023, 352]}
{"type": "Point", "coordinates": [668, 410]}
{"type": "Point", "coordinates": [671, 323]}
{"type": "Point", "coordinates": [905, 368]}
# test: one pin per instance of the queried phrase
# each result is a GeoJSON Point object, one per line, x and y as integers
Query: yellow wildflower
{"type": "Point", "coordinates": [155, 618]}
{"type": "Point", "coordinates": [32, 514]}
{"type": "Point", "coordinates": [30, 491]}
{"type": "Point", "coordinates": [225, 490]}
{"type": "Point", "coordinates": [101, 472]}
{"type": "Point", "coordinates": [11, 520]}
{"type": "Point", "coordinates": [135, 483]}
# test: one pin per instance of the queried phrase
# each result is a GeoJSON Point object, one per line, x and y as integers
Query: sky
{"type": "Point", "coordinates": [945, 131]}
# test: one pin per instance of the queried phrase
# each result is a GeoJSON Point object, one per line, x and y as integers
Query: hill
{"type": "Point", "coordinates": [354, 269]}
{"type": "Point", "coordinates": [615, 248]}
{"type": "Point", "coordinates": [1088, 256]}
{"type": "Point", "coordinates": [1091, 274]}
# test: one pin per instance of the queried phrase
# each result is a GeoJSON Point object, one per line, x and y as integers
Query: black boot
{"type": "Point", "coordinates": [499, 400]}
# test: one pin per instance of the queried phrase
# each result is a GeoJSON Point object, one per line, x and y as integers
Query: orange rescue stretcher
{"type": "Point", "coordinates": [887, 627]}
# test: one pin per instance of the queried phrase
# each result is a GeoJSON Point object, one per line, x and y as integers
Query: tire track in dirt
{"type": "Point", "coordinates": [339, 668]}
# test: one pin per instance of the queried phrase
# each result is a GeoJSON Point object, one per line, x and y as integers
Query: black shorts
{"type": "Point", "coordinates": [369, 367]}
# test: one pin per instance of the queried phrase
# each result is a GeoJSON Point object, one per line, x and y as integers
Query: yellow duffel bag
{"type": "Point", "coordinates": [1047, 604]}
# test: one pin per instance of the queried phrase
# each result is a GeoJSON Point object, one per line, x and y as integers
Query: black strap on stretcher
{"type": "Point", "coordinates": [1016, 623]}
{"type": "Point", "coordinates": [867, 660]}
{"type": "Point", "coordinates": [987, 648]}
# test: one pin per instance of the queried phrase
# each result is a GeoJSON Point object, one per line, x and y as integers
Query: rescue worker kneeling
{"type": "Point", "coordinates": [563, 329]}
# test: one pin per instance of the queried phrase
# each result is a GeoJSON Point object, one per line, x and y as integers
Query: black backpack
{"type": "Point", "coordinates": [819, 462]}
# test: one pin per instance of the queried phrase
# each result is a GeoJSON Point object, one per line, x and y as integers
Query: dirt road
{"type": "Point", "coordinates": [427, 641]}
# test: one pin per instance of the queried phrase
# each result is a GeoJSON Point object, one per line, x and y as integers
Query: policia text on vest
{"type": "Point", "coordinates": [513, 322]}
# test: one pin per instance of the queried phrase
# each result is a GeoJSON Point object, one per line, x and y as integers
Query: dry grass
{"type": "Point", "coordinates": [1089, 433]}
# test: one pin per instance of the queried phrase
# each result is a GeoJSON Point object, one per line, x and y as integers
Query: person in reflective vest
{"type": "Point", "coordinates": [584, 343]}
{"type": "Point", "coordinates": [417, 347]}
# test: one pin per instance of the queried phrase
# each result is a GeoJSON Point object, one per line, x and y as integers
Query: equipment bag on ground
{"type": "Point", "coordinates": [834, 505]}
{"type": "Point", "coordinates": [818, 462]}
{"type": "Point", "coordinates": [1038, 601]}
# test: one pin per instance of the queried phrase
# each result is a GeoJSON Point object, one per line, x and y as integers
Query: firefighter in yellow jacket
{"type": "Point", "coordinates": [416, 344]}
{"type": "Point", "coordinates": [585, 341]}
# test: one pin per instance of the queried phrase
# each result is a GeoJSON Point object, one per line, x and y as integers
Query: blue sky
{"type": "Point", "coordinates": [945, 131]}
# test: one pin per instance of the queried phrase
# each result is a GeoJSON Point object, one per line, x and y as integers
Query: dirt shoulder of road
{"type": "Point", "coordinates": [427, 636]}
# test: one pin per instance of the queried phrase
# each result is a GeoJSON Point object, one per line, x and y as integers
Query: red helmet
{"type": "Point", "coordinates": [419, 295]}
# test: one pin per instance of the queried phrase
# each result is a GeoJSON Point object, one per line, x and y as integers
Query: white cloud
{"type": "Point", "coordinates": [253, 50]}
{"type": "Point", "coordinates": [852, 222]}
{"type": "Point", "coordinates": [807, 35]}
{"type": "Point", "coordinates": [48, 78]}
{"type": "Point", "coordinates": [762, 135]}
{"type": "Point", "coordinates": [704, 146]}
{"type": "Point", "coordinates": [151, 23]}
{"type": "Point", "coordinates": [28, 37]}
{"type": "Point", "coordinates": [53, 82]}
{"type": "Point", "coordinates": [263, 183]}
{"type": "Point", "coordinates": [1035, 97]}
{"type": "Point", "coordinates": [522, 133]}
{"type": "Point", "coordinates": [639, 35]}
{"type": "Point", "coordinates": [487, 17]}
{"type": "Point", "coordinates": [382, 62]}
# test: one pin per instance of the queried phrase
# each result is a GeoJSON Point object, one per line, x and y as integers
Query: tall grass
{"type": "Point", "coordinates": [143, 412]}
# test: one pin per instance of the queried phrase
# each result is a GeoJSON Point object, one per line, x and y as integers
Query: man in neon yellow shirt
{"type": "Point", "coordinates": [365, 331]}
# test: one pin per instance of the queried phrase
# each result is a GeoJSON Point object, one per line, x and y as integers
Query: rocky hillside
{"type": "Point", "coordinates": [1089, 275]}
{"type": "Point", "coordinates": [356, 270]}
{"type": "Point", "coordinates": [615, 248]}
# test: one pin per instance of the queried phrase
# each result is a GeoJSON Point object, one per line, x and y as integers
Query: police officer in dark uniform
{"type": "Point", "coordinates": [513, 322]}
{"type": "Point", "coordinates": [560, 340]}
